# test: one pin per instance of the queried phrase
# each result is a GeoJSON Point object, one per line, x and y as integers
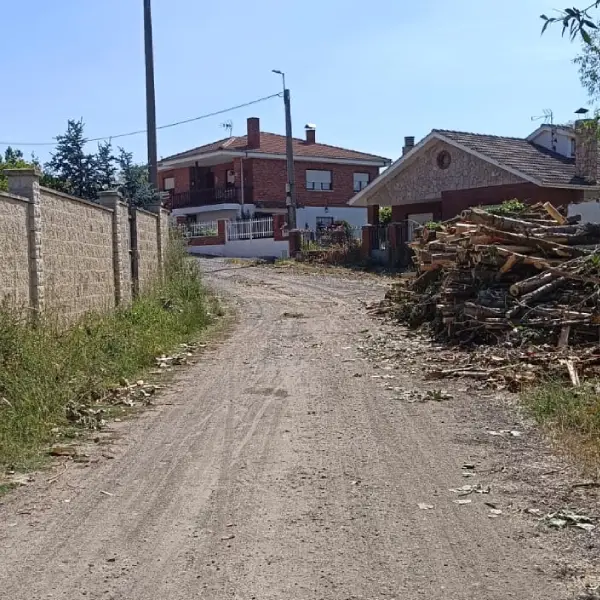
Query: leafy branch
{"type": "Point", "coordinates": [576, 21]}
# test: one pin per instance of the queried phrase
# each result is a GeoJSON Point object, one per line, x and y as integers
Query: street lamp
{"type": "Point", "coordinates": [290, 199]}
{"type": "Point", "coordinates": [282, 76]}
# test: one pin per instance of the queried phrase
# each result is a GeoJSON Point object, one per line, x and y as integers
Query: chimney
{"type": "Point", "coordinates": [586, 150]}
{"type": "Point", "coordinates": [409, 144]}
{"type": "Point", "coordinates": [311, 132]}
{"type": "Point", "coordinates": [253, 128]}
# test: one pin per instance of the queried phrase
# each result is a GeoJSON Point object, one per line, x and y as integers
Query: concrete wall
{"type": "Point", "coordinates": [147, 249]}
{"type": "Point", "coordinates": [14, 254]}
{"type": "Point", "coordinates": [589, 211]}
{"type": "Point", "coordinates": [66, 256]}
{"type": "Point", "coordinates": [78, 255]}
{"type": "Point", "coordinates": [260, 248]}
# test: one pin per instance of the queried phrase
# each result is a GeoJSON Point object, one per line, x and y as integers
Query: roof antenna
{"type": "Point", "coordinates": [548, 117]}
{"type": "Point", "coordinates": [228, 127]}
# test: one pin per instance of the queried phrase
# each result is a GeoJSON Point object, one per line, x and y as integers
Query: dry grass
{"type": "Point", "coordinates": [44, 368]}
{"type": "Point", "coordinates": [572, 417]}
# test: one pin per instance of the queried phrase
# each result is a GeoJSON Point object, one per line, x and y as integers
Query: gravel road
{"type": "Point", "coordinates": [279, 467]}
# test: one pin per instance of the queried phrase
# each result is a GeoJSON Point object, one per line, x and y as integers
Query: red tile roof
{"type": "Point", "coordinates": [272, 143]}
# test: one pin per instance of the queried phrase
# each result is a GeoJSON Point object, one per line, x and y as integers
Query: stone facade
{"type": "Point", "coordinates": [148, 249]}
{"type": "Point", "coordinates": [68, 256]}
{"type": "Point", "coordinates": [121, 244]}
{"type": "Point", "coordinates": [14, 266]}
{"type": "Point", "coordinates": [77, 244]}
{"type": "Point", "coordinates": [423, 180]}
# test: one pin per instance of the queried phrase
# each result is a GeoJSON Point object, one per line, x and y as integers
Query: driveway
{"type": "Point", "coordinates": [283, 465]}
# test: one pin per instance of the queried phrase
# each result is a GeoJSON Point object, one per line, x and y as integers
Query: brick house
{"type": "Point", "coordinates": [448, 171]}
{"type": "Point", "coordinates": [246, 176]}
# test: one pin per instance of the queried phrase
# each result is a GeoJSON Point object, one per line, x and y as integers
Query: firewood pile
{"type": "Point", "coordinates": [519, 275]}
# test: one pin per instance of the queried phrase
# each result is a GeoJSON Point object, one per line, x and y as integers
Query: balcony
{"type": "Point", "coordinates": [212, 196]}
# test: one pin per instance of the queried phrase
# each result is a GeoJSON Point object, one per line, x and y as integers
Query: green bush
{"type": "Point", "coordinates": [43, 368]}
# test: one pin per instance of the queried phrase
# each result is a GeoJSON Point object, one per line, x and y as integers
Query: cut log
{"type": "Point", "coordinates": [531, 284]}
{"type": "Point", "coordinates": [573, 375]}
{"type": "Point", "coordinates": [555, 229]}
{"type": "Point", "coordinates": [511, 261]}
{"type": "Point", "coordinates": [553, 212]}
{"type": "Point", "coordinates": [536, 294]}
{"type": "Point", "coordinates": [477, 215]}
{"type": "Point", "coordinates": [478, 312]}
{"type": "Point", "coordinates": [517, 238]}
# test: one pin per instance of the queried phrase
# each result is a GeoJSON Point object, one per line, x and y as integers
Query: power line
{"type": "Point", "coordinates": [140, 131]}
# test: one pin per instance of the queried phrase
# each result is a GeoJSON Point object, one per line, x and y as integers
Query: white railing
{"type": "Point", "coordinates": [206, 229]}
{"type": "Point", "coordinates": [250, 230]}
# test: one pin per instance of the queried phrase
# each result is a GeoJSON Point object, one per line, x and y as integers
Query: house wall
{"type": "Point", "coordinates": [560, 142]}
{"type": "Point", "coordinates": [422, 180]}
{"type": "Point", "coordinates": [270, 176]}
{"type": "Point", "coordinates": [454, 202]}
{"type": "Point", "coordinates": [14, 265]}
{"type": "Point", "coordinates": [181, 176]}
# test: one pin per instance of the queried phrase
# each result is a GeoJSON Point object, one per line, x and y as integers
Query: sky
{"type": "Point", "coordinates": [366, 73]}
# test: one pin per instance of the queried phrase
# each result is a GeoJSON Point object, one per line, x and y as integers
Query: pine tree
{"type": "Point", "coordinates": [134, 181]}
{"type": "Point", "coordinates": [72, 165]}
{"type": "Point", "coordinates": [105, 167]}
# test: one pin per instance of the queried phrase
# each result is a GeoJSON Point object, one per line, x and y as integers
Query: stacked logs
{"type": "Point", "coordinates": [483, 277]}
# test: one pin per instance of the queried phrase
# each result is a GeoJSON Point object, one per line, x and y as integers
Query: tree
{"type": "Point", "coordinates": [588, 63]}
{"type": "Point", "coordinates": [105, 167]}
{"type": "Point", "coordinates": [134, 182]}
{"type": "Point", "coordinates": [385, 215]}
{"type": "Point", "coordinates": [577, 21]}
{"type": "Point", "coordinates": [72, 165]}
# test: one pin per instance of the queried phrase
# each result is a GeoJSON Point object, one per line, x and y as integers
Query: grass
{"type": "Point", "coordinates": [571, 415]}
{"type": "Point", "coordinates": [45, 368]}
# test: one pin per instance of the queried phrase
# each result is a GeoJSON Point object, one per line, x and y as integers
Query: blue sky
{"type": "Point", "coordinates": [366, 74]}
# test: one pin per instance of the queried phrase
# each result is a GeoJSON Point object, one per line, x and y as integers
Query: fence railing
{"type": "Point", "coordinates": [210, 196]}
{"type": "Point", "coordinates": [329, 237]}
{"type": "Point", "coordinates": [250, 229]}
{"type": "Point", "coordinates": [206, 229]}
{"type": "Point", "coordinates": [380, 237]}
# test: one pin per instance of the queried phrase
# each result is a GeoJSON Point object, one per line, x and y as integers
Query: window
{"type": "Point", "coordinates": [361, 181]}
{"type": "Point", "coordinates": [169, 183]}
{"type": "Point", "coordinates": [318, 180]}
{"type": "Point", "coordinates": [443, 159]}
{"type": "Point", "coordinates": [324, 222]}
{"type": "Point", "coordinates": [573, 146]}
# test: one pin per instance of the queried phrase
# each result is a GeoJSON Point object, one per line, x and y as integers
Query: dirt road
{"type": "Point", "coordinates": [278, 467]}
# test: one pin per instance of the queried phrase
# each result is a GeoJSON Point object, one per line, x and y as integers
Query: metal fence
{"type": "Point", "coordinates": [329, 237]}
{"type": "Point", "coordinates": [205, 229]}
{"type": "Point", "coordinates": [250, 230]}
{"type": "Point", "coordinates": [380, 237]}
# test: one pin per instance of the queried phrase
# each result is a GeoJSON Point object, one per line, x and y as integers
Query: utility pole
{"type": "Point", "coordinates": [290, 195]}
{"type": "Point", "coordinates": [150, 98]}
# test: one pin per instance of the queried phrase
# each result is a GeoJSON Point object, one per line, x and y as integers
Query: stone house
{"type": "Point", "coordinates": [246, 176]}
{"type": "Point", "coordinates": [449, 171]}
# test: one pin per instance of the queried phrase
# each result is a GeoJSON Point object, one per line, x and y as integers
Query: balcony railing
{"type": "Point", "coordinates": [211, 196]}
